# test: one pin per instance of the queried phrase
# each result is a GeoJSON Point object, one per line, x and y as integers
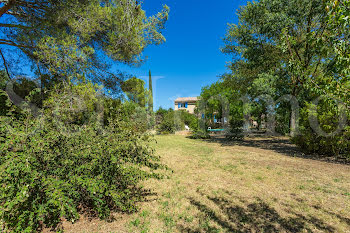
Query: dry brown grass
{"type": "Point", "coordinates": [253, 186]}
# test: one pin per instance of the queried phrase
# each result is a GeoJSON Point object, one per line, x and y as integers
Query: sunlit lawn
{"type": "Point", "coordinates": [224, 187]}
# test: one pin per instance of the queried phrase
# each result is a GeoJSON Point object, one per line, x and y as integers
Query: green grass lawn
{"type": "Point", "coordinates": [256, 185]}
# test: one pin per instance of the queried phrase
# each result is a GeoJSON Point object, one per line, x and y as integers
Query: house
{"type": "Point", "coordinates": [186, 103]}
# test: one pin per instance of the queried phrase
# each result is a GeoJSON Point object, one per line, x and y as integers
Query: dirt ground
{"type": "Point", "coordinates": [256, 185]}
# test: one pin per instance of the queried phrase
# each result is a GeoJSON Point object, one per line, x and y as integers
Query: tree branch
{"type": "Point", "coordinates": [11, 43]}
{"type": "Point", "coordinates": [14, 26]}
{"type": "Point", "coordinates": [15, 14]}
{"type": "Point", "coordinates": [318, 63]}
{"type": "Point", "coordinates": [297, 53]}
{"type": "Point", "coordinates": [5, 64]}
{"type": "Point", "coordinates": [307, 56]}
{"type": "Point", "coordinates": [7, 7]}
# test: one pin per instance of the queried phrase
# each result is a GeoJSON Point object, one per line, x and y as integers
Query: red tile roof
{"type": "Point", "coordinates": [188, 99]}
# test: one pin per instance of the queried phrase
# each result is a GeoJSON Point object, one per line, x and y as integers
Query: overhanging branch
{"type": "Point", "coordinates": [11, 43]}
{"type": "Point", "coordinates": [14, 26]}
{"type": "Point", "coordinates": [5, 64]}
{"type": "Point", "coordinates": [7, 7]}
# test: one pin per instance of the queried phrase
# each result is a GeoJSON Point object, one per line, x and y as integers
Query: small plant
{"type": "Point", "coordinates": [200, 134]}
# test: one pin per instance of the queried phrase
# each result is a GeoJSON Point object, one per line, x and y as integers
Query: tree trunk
{"type": "Point", "coordinates": [293, 123]}
{"type": "Point", "coordinates": [7, 7]}
{"type": "Point", "coordinates": [294, 114]}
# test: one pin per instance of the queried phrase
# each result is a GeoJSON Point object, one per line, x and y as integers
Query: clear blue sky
{"type": "Point", "coordinates": [190, 58]}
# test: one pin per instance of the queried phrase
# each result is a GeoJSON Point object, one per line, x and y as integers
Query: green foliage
{"type": "Point", "coordinates": [236, 126]}
{"type": "Point", "coordinates": [160, 113]}
{"type": "Point", "coordinates": [79, 39]}
{"type": "Point", "coordinates": [85, 152]}
{"type": "Point", "coordinates": [139, 101]}
{"type": "Point", "coordinates": [111, 109]}
{"type": "Point", "coordinates": [5, 103]}
{"type": "Point", "coordinates": [25, 90]}
{"type": "Point", "coordinates": [218, 98]}
{"type": "Point", "coordinates": [150, 88]}
{"type": "Point", "coordinates": [275, 56]}
{"type": "Point", "coordinates": [170, 121]}
{"type": "Point", "coordinates": [332, 142]}
{"type": "Point", "coordinates": [333, 84]}
{"type": "Point", "coordinates": [135, 90]}
{"type": "Point", "coordinates": [66, 162]}
{"type": "Point", "coordinates": [189, 119]}
{"type": "Point", "coordinates": [297, 48]}
{"type": "Point", "coordinates": [339, 26]}
{"type": "Point", "coordinates": [140, 115]}
{"type": "Point", "coordinates": [200, 133]}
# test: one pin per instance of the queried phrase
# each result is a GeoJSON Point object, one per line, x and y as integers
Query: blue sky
{"type": "Point", "coordinates": [190, 58]}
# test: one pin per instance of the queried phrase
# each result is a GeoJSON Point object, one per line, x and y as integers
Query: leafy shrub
{"type": "Point", "coordinates": [4, 103]}
{"type": "Point", "coordinates": [189, 119]}
{"type": "Point", "coordinates": [170, 124]}
{"type": "Point", "coordinates": [200, 134]}
{"type": "Point", "coordinates": [24, 89]}
{"type": "Point", "coordinates": [172, 121]}
{"type": "Point", "coordinates": [236, 124]}
{"type": "Point", "coordinates": [49, 174]}
{"type": "Point", "coordinates": [160, 113]}
{"type": "Point", "coordinates": [283, 114]}
{"type": "Point", "coordinates": [309, 141]}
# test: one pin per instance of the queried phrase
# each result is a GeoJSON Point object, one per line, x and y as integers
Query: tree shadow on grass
{"type": "Point", "coordinates": [141, 195]}
{"type": "Point", "coordinates": [87, 215]}
{"type": "Point", "coordinates": [281, 145]}
{"type": "Point", "coordinates": [256, 216]}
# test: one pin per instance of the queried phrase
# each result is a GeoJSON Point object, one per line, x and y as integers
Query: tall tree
{"type": "Point", "coordinates": [299, 48]}
{"type": "Point", "coordinates": [273, 38]}
{"type": "Point", "coordinates": [135, 90]}
{"type": "Point", "coordinates": [78, 38]}
{"type": "Point", "coordinates": [150, 104]}
{"type": "Point", "coordinates": [338, 41]}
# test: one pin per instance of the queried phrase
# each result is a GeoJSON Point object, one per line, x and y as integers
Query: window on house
{"type": "Point", "coordinates": [182, 105]}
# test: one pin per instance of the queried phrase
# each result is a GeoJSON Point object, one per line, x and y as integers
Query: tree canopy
{"type": "Point", "coordinates": [286, 56]}
{"type": "Point", "coordinates": [79, 39]}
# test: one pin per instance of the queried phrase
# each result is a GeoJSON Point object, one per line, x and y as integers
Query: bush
{"type": "Point", "coordinates": [236, 124]}
{"type": "Point", "coordinates": [309, 141]}
{"type": "Point", "coordinates": [172, 121]}
{"type": "Point", "coordinates": [49, 174]}
{"type": "Point", "coordinates": [200, 134]}
{"type": "Point", "coordinates": [190, 120]}
{"type": "Point", "coordinates": [24, 89]}
{"type": "Point", "coordinates": [170, 124]}
{"type": "Point", "coordinates": [139, 115]}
